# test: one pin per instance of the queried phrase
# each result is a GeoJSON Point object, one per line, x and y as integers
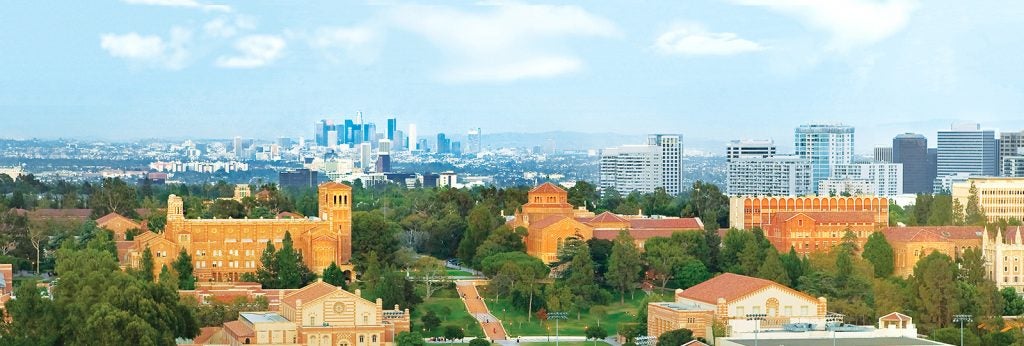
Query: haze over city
{"type": "Point", "coordinates": [188, 69]}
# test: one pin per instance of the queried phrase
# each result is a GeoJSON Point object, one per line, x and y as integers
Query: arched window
{"type": "Point", "coordinates": [247, 341]}
{"type": "Point", "coordinates": [373, 338]}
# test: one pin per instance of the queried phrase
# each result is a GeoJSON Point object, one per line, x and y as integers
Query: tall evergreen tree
{"type": "Point", "coordinates": [934, 286]}
{"type": "Point", "coordinates": [973, 213]}
{"type": "Point", "coordinates": [372, 275]}
{"type": "Point", "coordinates": [624, 266]}
{"type": "Point", "coordinates": [479, 224]}
{"type": "Point", "coordinates": [334, 276]}
{"type": "Point", "coordinates": [267, 272]}
{"type": "Point", "coordinates": [167, 277]}
{"type": "Point", "coordinates": [878, 251]}
{"type": "Point", "coordinates": [145, 270]}
{"type": "Point", "coordinates": [922, 209]}
{"type": "Point", "coordinates": [773, 269]}
{"type": "Point", "coordinates": [30, 319]}
{"type": "Point", "coordinates": [288, 264]}
{"type": "Point", "coordinates": [794, 268]}
{"type": "Point", "coordinates": [183, 266]}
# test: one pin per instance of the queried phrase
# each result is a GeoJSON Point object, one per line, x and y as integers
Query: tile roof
{"type": "Point", "coordinates": [310, 292]}
{"type": "Point", "coordinates": [46, 213]}
{"type": "Point", "coordinates": [731, 287]}
{"type": "Point", "coordinates": [239, 329]}
{"type": "Point", "coordinates": [695, 343]}
{"type": "Point", "coordinates": [334, 184]}
{"type": "Point", "coordinates": [686, 223]}
{"type": "Point", "coordinates": [831, 217]}
{"type": "Point", "coordinates": [205, 333]}
{"type": "Point", "coordinates": [548, 221]}
{"type": "Point", "coordinates": [895, 316]}
{"type": "Point", "coordinates": [932, 233]}
{"type": "Point", "coordinates": [109, 217]}
{"type": "Point", "coordinates": [607, 217]}
{"type": "Point", "coordinates": [548, 188]}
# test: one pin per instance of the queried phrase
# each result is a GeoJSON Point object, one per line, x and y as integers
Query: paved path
{"type": "Point", "coordinates": [476, 307]}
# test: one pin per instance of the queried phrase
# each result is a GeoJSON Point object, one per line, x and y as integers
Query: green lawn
{"type": "Point", "coordinates": [456, 272]}
{"type": "Point", "coordinates": [566, 343]}
{"type": "Point", "coordinates": [516, 322]}
{"type": "Point", "coordinates": [458, 315]}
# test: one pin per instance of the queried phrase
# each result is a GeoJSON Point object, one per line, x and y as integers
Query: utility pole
{"type": "Point", "coordinates": [557, 316]}
{"type": "Point", "coordinates": [961, 319]}
{"type": "Point", "coordinates": [757, 318]}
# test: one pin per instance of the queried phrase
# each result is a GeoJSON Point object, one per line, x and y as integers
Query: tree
{"type": "Point", "coordinates": [598, 313]}
{"type": "Point", "coordinates": [395, 289]}
{"type": "Point", "coordinates": [733, 245]}
{"type": "Point", "coordinates": [1013, 303]}
{"type": "Point", "coordinates": [958, 213]}
{"type": "Point", "coordinates": [596, 333]}
{"type": "Point", "coordinates": [578, 281]}
{"type": "Point", "coordinates": [583, 194]}
{"type": "Point", "coordinates": [430, 320]}
{"type": "Point", "coordinates": [30, 319]}
{"type": "Point", "coordinates": [794, 267]}
{"type": "Point", "coordinates": [267, 274]}
{"type": "Point", "coordinates": [502, 239]}
{"type": "Point", "coordinates": [951, 336]}
{"type": "Point", "coordinates": [751, 257]}
{"type": "Point", "coordinates": [183, 266]}
{"type": "Point", "coordinates": [453, 332]}
{"type": "Point", "coordinates": [113, 196]}
{"type": "Point", "coordinates": [371, 275]}
{"type": "Point", "coordinates": [227, 209]}
{"type": "Point", "coordinates": [479, 224]}
{"type": "Point", "coordinates": [773, 269]}
{"type": "Point", "coordinates": [690, 273]}
{"type": "Point", "coordinates": [37, 233]}
{"type": "Point", "coordinates": [922, 209]}
{"type": "Point", "coordinates": [372, 232]}
{"type": "Point", "coordinates": [935, 288]}
{"type": "Point", "coordinates": [878, 251]}
{"type": "Point", "coordinates": [663, 257]}
{"type": "Point", "coordinates": [973, 213]}
{"type": "Point", "coordinates": [289, 272]}
{"type": "Point", "coordinates": [941, 211]}
{"type": "Point", "coordinates": [334, 276]}
{"type": "Point", "coordinates": [146, 265]}
{"type": "Point", "coordinates": [479, 342]}
{"type": "Point", "coordinates": [167, 277]}
{"type": "Point", "coordinates": [410, 339]}
{"type": "Point", "coordinates": [675, 337]}
{"type": "Point", "coordinates": [624, 266]}
{"type": "Point", "coordinates": [972, 267]}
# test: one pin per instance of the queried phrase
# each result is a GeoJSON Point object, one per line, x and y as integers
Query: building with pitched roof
{"type": "Point", "coordinates": [550, 221]}
{"type": "Point", "coordinates": [118, 225]}
{"type": "Point", "coordinates": [910, 244]}
{"type": "Point", "coordinates": [728, 298]}
{"type": "Point", "coordinates": [318, 314]}
{"type": "Point", "coordinates": [224, 249]}
{"type": "Point", "coordinates": [750, 212]}
{"type": "Point", "coordinates": [1004, 257]}
{"type": "Point", "coordinates": [809, 232]}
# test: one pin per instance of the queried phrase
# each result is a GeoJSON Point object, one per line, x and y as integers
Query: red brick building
{"type": "Point", "coordinates": [809, 232]}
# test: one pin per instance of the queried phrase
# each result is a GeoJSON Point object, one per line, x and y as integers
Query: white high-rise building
{"type": "Point", "coordinates": [474, 144]}
{"type": "Point", "coordinates": [877, 179]}
{"type": "Point", "coordinates": [671, 146]}
{"type": "Point", "coordinates": [632, 168]}
{"type": "Point", "coordinates": [826, 145]}
{"type": "Point", "coordinates": [750, 148]}
{"type": "Point", "coordinates": [365, 154]}
{"type": "Point", "coordinates": [769, 176]}
{"type": "Point", "coordinates": [332, 138]}
{"type": "Point", "coordinates": [412, 138]}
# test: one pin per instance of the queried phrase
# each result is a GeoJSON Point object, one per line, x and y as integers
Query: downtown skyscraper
{"type": "Point", "coordinates": [965, 150]}
{"type": "Point", "coordinates": [826, 145]}
{"type": "Point", "coordinates": [918, 161]}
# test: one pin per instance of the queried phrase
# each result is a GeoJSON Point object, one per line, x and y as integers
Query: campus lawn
{"type": "Point", "coordinates": [516, 323]}
{"type": "Point", "coordinates": [456, 272]}
{"type": "Point", "coordinates": [572, 343]}
{"type": "Point", "coordinates": [446, 298]}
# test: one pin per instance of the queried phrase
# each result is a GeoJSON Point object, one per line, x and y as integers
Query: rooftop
{"type": "Point", "coordinates": [827, 341]}
{"type": "Point", "coordinates": [263, 317]}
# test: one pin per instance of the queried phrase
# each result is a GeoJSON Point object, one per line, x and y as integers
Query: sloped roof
{"type": "Point", "coordinates": [695, 343]}
{"type": "Point", "coordinates": [607, 217]}
{"type": "Point", "coordinates": [114, 216]}
{"type": "Point", "coordinates": [686, 223]}
{"type": "Point", "coordinates": [548, 188]}
{"type": "Point", "coordinates": [310, 292]}
{"type": "Point", "coordinates": [932, 233]}
{"type": "Point", "coordinates": [731, 287]}
{"type": "Point", "coordinates": [831, 217]}
{"type": "Point", "coordinates": [239, 329]}
{"type": "Point", "coordinates": [46, 213]}
{"type": "Point", "coordinates": [548, 221]}
{"type": "Point", "coordinates": [334, 184]}
{"type": "Point", "coordinates": [895, 317]}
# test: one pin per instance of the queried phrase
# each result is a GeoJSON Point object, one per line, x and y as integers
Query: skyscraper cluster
{"type": "Point", "coordinates": [645, 167]}
{"type": "Point", "coordinates": [351, 132]}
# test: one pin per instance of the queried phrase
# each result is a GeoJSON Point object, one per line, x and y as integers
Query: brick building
{"type": "Point", "coordinates": [910, 244]}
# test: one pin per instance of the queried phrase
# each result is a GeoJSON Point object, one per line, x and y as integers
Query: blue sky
{"type": "Point", "coordinates": [724, 69]}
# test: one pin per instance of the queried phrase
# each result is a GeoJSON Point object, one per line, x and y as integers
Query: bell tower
{"type": "Point", "coordinates": [175, 216]}
{"type": "Point", "coordinates": [335, 201]}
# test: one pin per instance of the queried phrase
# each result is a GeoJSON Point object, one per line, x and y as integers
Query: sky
{"type": "Point", "coordinates": [709, 69]}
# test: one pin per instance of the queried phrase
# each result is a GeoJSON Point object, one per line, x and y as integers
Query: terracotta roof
{"type": "Point", "coordinates": [607, 217]}
{"type": "Point", "coordinates": [310, 292]}
{"type": "Point", "coordinates": [638, 234]}
{"type": "Point", "coordinates": [548, 221]}
{"type": "Point", "coordinates": [205, 333]}
{"type": "Point", "coordinates": [895, 316]}
{"type": "Point", "coordinates": [686, 223]}
{"type": "Point", "coordinates": [695, 343]}
{"type": "Point", "coordinates": [334, 184]}
{"type": "Point", "coordinates": [79, 214]}
{"type": "Point", "coordinates": [109, 217]}
{"type": "Point", "coordinates": [832, 217]}
{"type": "Point", "coordinates": [731, 287]}
{"type": "Point", "coordinates": [238, 329]}
{"type": "Point", "coordinates": [932, 233]}
{"type": "Point", "coordinates": [548, 188]}
{"type": "Point", "coordinates": [288, 215]}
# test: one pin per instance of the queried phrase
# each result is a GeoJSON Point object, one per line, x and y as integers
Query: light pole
{"type": "Point", "coordinates": [645, 341]}
{"type": "Point", "coordinates": [557, 316]}
{"type": "Point", "coordinates": [837, 318]}
{"type": "Point", "coordinates": [757, 318]}
{"type": "Point", "coordinates": [961, 319]}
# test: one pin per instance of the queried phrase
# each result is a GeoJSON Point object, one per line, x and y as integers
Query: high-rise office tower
{"type": "Point", "coordinates": [332, 138]}
{"type": "Point", "coordinates": [320, 129]}
{"type": "Point", "coordinates": [966, 149]}
{"type": "Point", "coordinates": [383, 156]}
{"type": "Point", "coordinates": [826, 145]}
{"type": "Point", "coordinates": [911, 150]}
{"type": "Point", "coordinates": [1011, 153]}
{"type": "Point", "coordinates": [456, 148]}
{"type": "Point", "coordinates": [883, 154]}
{"type": "Point", "coordinates": [369, 131]}
{"type": "Point", "coordinates": [444, 144]}
{"type": "Point", "coordinates": [671, 146]}
{"type": "Point", "coordinates": [237, 148]}
{"type": "Point", "coordinates": [398, 144]}
{"type": "Point", "coordinates": [473, 144]}
{"type": "Point", "coordinates": [877, 179]}
{"type": "Point", "coordinates": [365, 154]}
{"type": "Point", "coordinates": [392, 127]}
{"type": "Point", "coordinates": [749, 148]}
{"type": "Point", "coordinates": [758, 175]}
{"type": "Point", "coordinates": [412, 141]}
{"type": "Point", "coordinates": [347, 132]}
{"type": "Point", "coordinates": [631, 168]}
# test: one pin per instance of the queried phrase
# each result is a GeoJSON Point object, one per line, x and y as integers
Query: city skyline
{"type": "Point", "coordinates": [255, 69]}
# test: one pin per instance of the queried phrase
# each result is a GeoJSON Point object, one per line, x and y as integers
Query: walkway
{"type": "Point", "coordinates": [476, 307]}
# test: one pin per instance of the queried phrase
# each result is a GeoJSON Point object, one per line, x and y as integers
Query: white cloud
{"type": "Point", "coordinates": [850, 22]}
{"type": "Point", "coordinates": [181, 3]}
{"type": "Point", "coordinates": [694, 39]}
{"type": "Point", "coordinates": [360, 44]}
{"type": "Point", "coordinates": [256, 51]}
{"type": "Point", "coordinates": [227, 27]}
{"type": "Point", "coordinates": [149, 49]}
{"type": "Point", "coordinates": [506, 41]}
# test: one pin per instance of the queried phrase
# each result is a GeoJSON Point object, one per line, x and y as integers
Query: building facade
{"type": "Point", "coordinates": [966, 149]}
{"type": "Point", "coordinates": [826, 145]}
{"type": "Point", "coordinates": [1013, 166]}
{"type": "Point", "coordinates": [911, 150]}
{"type": "Point", "coordinates": [671, 146]}
{"type": "Point", "coordinates": [769, 176]}
{"type": "Point", "coordinates": [883, 154]}
{"type": "Point", "coordinates": [750, 148]}
{"type": "Point", "coordinates": [809, 232]}
{"type": "Point", "coordinates": [875, 179]}
{"type": "Point", "coordinates": [999, 198]}
{"type": "Point", "coordinates": [632, 168]}
{"type": "Point", "coordinates": [224, 249]}
{"type": "Point", "coordinates": [728, 298]}
{"type": "Point", "coordinates": [750, 212]}
{"type": "Point", "coordinates": [910, 244]}
{"type": "Point", "coordinates": [1004, 258]}
{"type": "Point", "coordinates": [551, 221]}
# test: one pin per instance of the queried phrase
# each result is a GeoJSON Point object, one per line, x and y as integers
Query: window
{"type": "Point", "coordinates": [739, 311]}
{"type": "Point", "coordinates": [373, 339]}
{"type": "Point", "coordinates": [756, 309]}
{"type": "Point", "coordinates": [361, 340]}
{"type": "Point", "coordinates": [803, 310]}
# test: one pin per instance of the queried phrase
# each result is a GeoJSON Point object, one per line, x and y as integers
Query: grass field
{"type": "Point", "coordinates": [566, 343]}
{"type": "Point", "coordinates": [516, 322]}
{"type": "Point", "coordinates": [457, 314]}
{"type": "Point", "coordinates": [456, 272]}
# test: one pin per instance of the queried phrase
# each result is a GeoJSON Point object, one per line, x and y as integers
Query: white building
{"type": "Point", "coordinates": [447, 179]}
{"type": "Point", "coordinates": [1003, 258]}
{"type": "Point", "coordinates": [826, 145]}
{"type": "Point", "coordinates": [632, 168]}
{"type": "Point", "coordinates": [876, 179]}
{"type": "Point", "coordinates": [671, 160]}
{"type": "Point", "coordinates": [750, 148]}
{"type": "Point", "coordinates": [769, 176]}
